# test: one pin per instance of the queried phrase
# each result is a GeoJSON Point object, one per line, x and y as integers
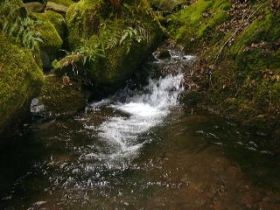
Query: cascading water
{"type": "Point", "coordinates": [137, 115]}
{"type": "Point", "coordinates": [106, 141]}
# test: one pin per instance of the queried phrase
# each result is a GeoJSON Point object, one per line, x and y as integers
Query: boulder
{"type": "Point", "coordinates": [52, 41]}
{"type": "Point", "coordinates": [60, 97]}
{"type": "Point", "coordinates": [98, 26]}
{"type": "Point", "coordinates": [20, 81]}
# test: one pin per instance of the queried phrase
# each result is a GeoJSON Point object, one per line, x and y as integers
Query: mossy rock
{"type": "Point", "coordinates": [83, 19]}
{"type": "Point", "coordinates": [93, 23]}
{"type": "Point", "coordinates": [120, 62]}
{"type": "Point", "coordinates": [87, 16]}
{"type": "Point", "coordinates": [61, 97]}
{"type": "Point", "coordinates": [58, 21]}
{"type": "Point", "coordinates": [52, 42]}
{"type": "Point", "coordinates": [51, 28]}
{"type": "Point", "coordinates": [20, 81]}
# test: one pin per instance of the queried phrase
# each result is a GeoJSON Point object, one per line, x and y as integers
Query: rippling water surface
{"type": "Point", "coordinates": [141, 152]}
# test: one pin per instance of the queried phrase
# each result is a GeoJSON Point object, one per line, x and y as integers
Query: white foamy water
{"type": "Point", "coordinates": [141, 112]}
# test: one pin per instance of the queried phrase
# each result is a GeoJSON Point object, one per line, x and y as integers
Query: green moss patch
{"type": "Point", "coordinates": [52, 42]}
{"type": "Point", "coordinates": [192, 25]}
{"type": "Point", "coordinates": [20, 80]}
{"type": "Point", "coordinates": [238, 65]}
{"type": "Point", "coordinates": [62, 96]}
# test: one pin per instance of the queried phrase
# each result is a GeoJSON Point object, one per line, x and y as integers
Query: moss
{"type": "Point", "coordinates": [83, 19]}
{"type": "Point", "coordinates": [52, 42]}
{"type": "Point", "coordinates": [254, 48]}
{"type": "Point", "coordinates": [20, 80]}
{"type": "Point", "coordinates": [194, 25]}
{"type": "Point", "coordinates": [167, 5]}
{"type": "Point", "coordinates": [58, 21]}
{"type": "Point", "coordinates": [61, 98]}
{"type": "Point", "coordinates": [89, 24]}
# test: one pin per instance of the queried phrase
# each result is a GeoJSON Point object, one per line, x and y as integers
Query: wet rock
{"type": "Point", "coordinates": [60, 97]}
{"type": "Point", "coordinates": [162, 54]}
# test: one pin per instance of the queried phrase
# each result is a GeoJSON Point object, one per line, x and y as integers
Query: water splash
{"type": "Point", "coordinates": [139, 113]}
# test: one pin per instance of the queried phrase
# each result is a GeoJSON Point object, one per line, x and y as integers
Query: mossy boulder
{"type": "Point", "coordinates": [20, 81]}
{"type": "Point", "coordinates": [121, 38]}
{"type": "Point", "coordinates": [52, 42]}
{"type": "Point", "coordinates": [58, 21]}
{"type": "Point", "coordinates": [60, 97]}
{"type": "Point", "coordinates": [50, 29]}
{"type": "Point", "coordinates": [83, 19]}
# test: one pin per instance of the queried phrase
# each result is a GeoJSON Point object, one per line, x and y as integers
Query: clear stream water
{"type": "Point", "coordinates": [141, 151]}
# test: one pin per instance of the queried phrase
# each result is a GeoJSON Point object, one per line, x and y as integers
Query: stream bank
{"type": "Point", "coordinates": [237, 71]}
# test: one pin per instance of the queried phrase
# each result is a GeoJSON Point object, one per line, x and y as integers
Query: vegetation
{"type": "Point", "coordinates": [23, 28]}
{"type": "Point", "coordinates": [21, 80]}
{"type": "Point", "coordinates": [238, 66]}
{"type": "Point", "coordinates": [102, 38]}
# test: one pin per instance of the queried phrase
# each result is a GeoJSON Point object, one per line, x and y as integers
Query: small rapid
{"type": "Point", "coordinates": [139, 113]}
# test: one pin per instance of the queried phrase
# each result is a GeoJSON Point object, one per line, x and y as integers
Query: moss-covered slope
{"type": "Point", "coordinates": [238, 65]}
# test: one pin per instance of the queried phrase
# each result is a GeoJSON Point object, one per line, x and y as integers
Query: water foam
{"type": "Point", "coordinates": [142, 111]}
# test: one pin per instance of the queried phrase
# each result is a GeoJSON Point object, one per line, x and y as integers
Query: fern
{"type": "Point", "coordinates": [112, 34]}
{"type": "Point", "coordinates": [89, 53]}
{"type": "Point", "coordinates": [23, 29]}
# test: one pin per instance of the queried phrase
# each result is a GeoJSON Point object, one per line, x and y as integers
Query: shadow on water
{"type": "Point", "coordinates": [16, 159]}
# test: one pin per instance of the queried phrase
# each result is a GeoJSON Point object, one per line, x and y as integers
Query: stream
{"type": "Point", "coordinates": [140, 149]}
